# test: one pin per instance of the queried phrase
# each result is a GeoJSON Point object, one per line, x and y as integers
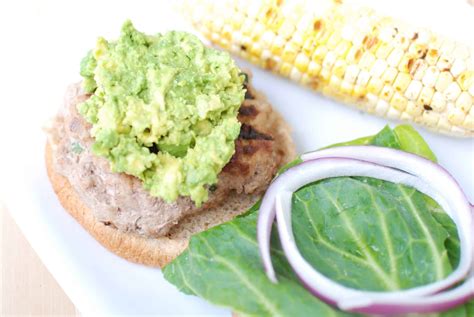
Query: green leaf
{"type": "Point", "coordinates": [369, 234]}
{"type": "Point", "coordinates": [411, 141]}
{"type": "Point", "coordinates": [362, 232]}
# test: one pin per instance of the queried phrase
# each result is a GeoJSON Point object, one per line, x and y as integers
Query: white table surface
{"type": "Point", "coordinates": [41, 45]}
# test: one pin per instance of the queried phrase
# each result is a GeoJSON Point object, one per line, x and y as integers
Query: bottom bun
{"type": "Point", "coordinates": [139, 249]}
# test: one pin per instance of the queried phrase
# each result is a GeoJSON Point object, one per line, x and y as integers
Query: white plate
{"type": "Point", "coordinates": [42, 43]}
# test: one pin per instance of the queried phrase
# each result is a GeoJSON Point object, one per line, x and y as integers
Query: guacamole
{"type": "Point", "coordinates": [164, 109]}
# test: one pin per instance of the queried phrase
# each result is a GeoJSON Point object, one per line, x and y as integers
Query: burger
{"type": "Point", "coordinates": [164, 137]}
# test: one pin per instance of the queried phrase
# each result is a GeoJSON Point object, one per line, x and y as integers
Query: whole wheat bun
{"type": "Point", "coordinates": [158, 252]}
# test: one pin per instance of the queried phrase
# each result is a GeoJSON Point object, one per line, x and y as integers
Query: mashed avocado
{"type": "Point", "coordinates": [163, 109]}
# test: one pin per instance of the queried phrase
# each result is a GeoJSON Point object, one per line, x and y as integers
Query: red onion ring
{"type": "Point", "coordinates": [413, 170]}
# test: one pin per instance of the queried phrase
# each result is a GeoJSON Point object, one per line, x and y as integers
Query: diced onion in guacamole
{"type": "Point", "coordinates": [164, 109]}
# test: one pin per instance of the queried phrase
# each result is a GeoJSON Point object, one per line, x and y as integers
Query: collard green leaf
{"type": "Point", "coordinates": [223, 265]}
{"type": "Point", "coordinates": [411, 141]}
{"type": "Point", "coordinates": [403, 137]}
{"type": "Point", "coordinates": [362, 232]}
{"type": "Point", "coordinates": [369, 234]}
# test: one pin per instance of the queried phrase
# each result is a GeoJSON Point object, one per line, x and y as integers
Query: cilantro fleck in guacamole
{"type": "Point", "coordinates": [164, 109]}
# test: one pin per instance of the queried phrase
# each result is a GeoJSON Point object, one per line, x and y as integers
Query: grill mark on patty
{"type": "Point", "coordinates": [248, 111]}
{"type": "Point", "coordinates": [244, 150]}
{"type": "Point", "coordinates": [247, 132]}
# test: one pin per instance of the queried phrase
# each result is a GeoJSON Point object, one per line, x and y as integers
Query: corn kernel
{"type": "Point", "coordinates": [270, 62]}
{"type": "Point", "coordinates": [371, 101]}
{"type": "Point", "coordinates": [346, 88]}
{"type": "Point", "coordinates": [342, 49]}
{"type": "Point", "coordinates": [358, 37]}
{"type": "Point", "coordinates": [347, 32]}
{"type": "Point", "coordinates": [297, 40]}
{"type": "Point", "coordinates": [305, 80]}
{"type": "Point", "coordinates": [334, 40]}
{"type": "Point", "coordinates": [267, 38]}
{"type": "Point", "coordinates": [447, 47]}
{"type": "Point", "coordinates": [387, 92]}
{"type": "Point", "coordinates": [389, 75]}
{"type": "Point", "coordinates": [285, 69]}
{"type": "Point", "coordinates": [309, 46]}
{"type": "Point", "coordinates": [351, 73]}
{"type": "Point", "coordinates": [444, 80]}
{"type": "Point", "coordinates": [418, 69]}
{"type": "Point", "coordinates": [383, 51]}
{"type": "Point", "coordinates": [367, 60]}
{"type": "Point", "coordinates": [278, 46]}
{"type": "Point", "coordinates": [429, 118]}
{"type": "Point", "coordinates": [256, 50]}
{"type": "Point", "coordinates": [302, 62]}
{"type": "Point", "coordinates": [235, 49]}
{"type": "Point", "coordinates": [438, 102]}
{"type": "Point", "coordinates": [303, 22]}
{"type": "Point", "coordinates": [431, 76]}
{"type": "Point", "coordinates": [425, 96]}
{"type": "Point", "coordinates": [289, 54]}
{"type": "Point", "coordinates": [405, 116]}
{"type": "Point", "coordinates": [382, 107]}
{"type": "Point", "coordinates": [253, 59]}
{"type": "Point", "coordinates": [378, 68]}
{"type": "Point", "coordinates": [393, 113]}
{"type": "Point", "coordinates": [413, 90]}
{"type": "Point", "coordinates": [461, 51]}
{"type": "Point", "coordinates": [287, 29]}
{"type": "Point", "coordinates": [466, 79]}
{"type": "Point", "coordinates": [395, 57]}
{"type": "Point", "coordinates": [295, 74]}
{"type": "Point", "coordinates": [363, 78]}
{"type": "Point", "coordinates": [443, 124]}
{"type": "Point", "coordinates": [436, 42]}
{"type": "Point", "coordinates": [413, 109]}
{"type": "Point", "coordinates": [359, 91]}
{"type": "Point", "coordinates": [398, 101]}
{"type": "Point", "coordinates": [406, 63]}
{"type": "Point", "coordinates": [418, 50]}
{"type": "Point", "coordinates": [319, 53]}
{"type": "Point", "coordinates": [387, 33]}
{"type": "Point", "coordinates": [322, 36]}
{"type": "Point", "coordinates": [328, 91]}
{"type": "Point", "coordinates": [375, 86]}
{"type": "Point", "coordinates": [432, 56]}
{"type": "Point", "coordinates": [236, 20]}
{"type": "Point", "coordinates": [339, 68]}
{"type": "Point", "coordinates": [456, 116]}
{"type": "Point", "coordinates": [247, 26]}
{"type": "Point", "coordinates": [452, 92]}
{"type": "Point", "coordinates": [329, 61]}
{"type": "Point", "coordinates": [464, 102]}
{"type": "Point", "coordinates": [258, 31]}
{"type": "Point", "coordinates": [445, 62]}
{"type": "Point", "coordinates": [335, 83]}
{"type": "Point", "coordinates": [354, 55]}
{"type": "Point", "coordinates": [401, 82]}
{"type": "Point", "coordinates": [458, 68]}
{"type": "Point", "coordinates": [225, 44]}
{"type": "Point", "coordinates": [401, 41]}
{"type": "Point", "coordinates": [325, 74]}
{"type": "Point", "coordinates": [313, 69]}
{"type": "Point", "coordinates": [468, 123]}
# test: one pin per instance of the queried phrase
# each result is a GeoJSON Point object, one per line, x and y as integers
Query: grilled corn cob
{"type": "Point", "coordinates": [352, 55]}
